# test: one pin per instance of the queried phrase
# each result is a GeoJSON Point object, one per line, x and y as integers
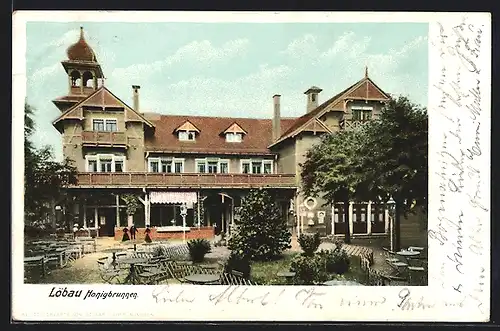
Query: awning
{"type": "Point", "coordinates": [173, 197]}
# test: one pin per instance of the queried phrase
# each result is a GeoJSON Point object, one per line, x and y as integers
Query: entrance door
{"type": "Point", "coordinates": [378, 218]}
{"type": "Point", "coordinates": [107, 220]}
{"type": "Point", "coordinates": [359, 216]}
{"type": "Point", "coordinates": [339, 219]}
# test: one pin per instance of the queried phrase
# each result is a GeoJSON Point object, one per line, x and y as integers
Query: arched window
{"type": "Point", "coordinates": [88, 80]}
{"type": "Point", "coordinates": [75, 78]}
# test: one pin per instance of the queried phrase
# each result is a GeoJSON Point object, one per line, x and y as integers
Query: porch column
{"type": "Point", "coordinates": [386, 220]}
{"type": "Point", "coordinates": [298, 218]}
{"type": "Point", "coordinates": [333, 219]}
{"type": "Point", "coordinates": [198, 200]}
{"type": "Point", "coordinates": [369, 216]}
{"type": "Point", "coordinates": [350, 218]}
{"type": "Point", "coordinates": [117, 211]}
{"type": "Point", "coordinates": [147, 205]}
{"type": "Point", "coordinates": [84, 215]}
{"type": "Point", "coordinates": [96, 220]}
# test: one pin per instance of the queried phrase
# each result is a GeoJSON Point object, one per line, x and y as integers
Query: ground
{"type": "Point", "coordinates": [85, 270]}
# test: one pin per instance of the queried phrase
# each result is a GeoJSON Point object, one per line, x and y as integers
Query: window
{"type": "Point", "coordinates": [201, 166]}
{"type": "Point", "coordinates": [245, 167]}
{"type": "Point", "coordinates": [107, 125]}
{"type": "Point", "coordinates": [111, 125]}
{"type": "Point", "coordinates": [313, 97]}
{"type": "Point", "coordinates": [212, 167]}
{"type": "Point", "coordinates": [233, 137]}
{"type": "Point", "coordinates": [118, 166]}
{"type": "Point", "coordinates": [105, 163]}
{"type": "Point", "coordinates": [257, 166]}
{"type": "Point", "coordinates": [92, 165]}
{"type": "Point", "coordinates": [268, 167]}
{"type": "Point", "coordinates": [224, 167]}
{"type": "Point", "coordinates": [187, 135]}
{"type": "Point", "coordinates": [165, 165]}
{"type": "Point", "coordinates": [363, 113]}
{"type": "Point", "coordinates": [179, 165]}
{"type": "Point", "coordinates": [98, 125]}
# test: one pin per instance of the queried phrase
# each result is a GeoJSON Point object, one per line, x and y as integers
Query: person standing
{"type": "Point", "coordinates": [133, 231]}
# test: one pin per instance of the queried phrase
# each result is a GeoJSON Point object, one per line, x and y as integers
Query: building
{"type": "Point", "coordinates": [204, 165]}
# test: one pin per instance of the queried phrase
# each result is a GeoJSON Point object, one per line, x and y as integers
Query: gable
{"type": "Point", "coordinates": [234, 128]}
{"type": "Point", "coordinates": [367, 90]}
{"type": "Point", "coordinates": [187, 126]}
{"type": "Point", "coordinates": [316, 126]}
{"type": "Point", "coordinates": [102, 97]}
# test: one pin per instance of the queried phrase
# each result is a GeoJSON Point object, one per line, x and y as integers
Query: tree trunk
{"type": "Point", "coordinates": [346, 219]}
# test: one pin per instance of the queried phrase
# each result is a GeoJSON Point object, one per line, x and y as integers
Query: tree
{"type": "Point", "coordinates": [132, 203]}
{"type": "Point", "coordinates": [394, 159]}
{"type": "Point", "coordinates": [44, 178]}
{"type": "Point", "coordinates": [261, 232]}
{"type": "Point", "coordinates": [328, 170]}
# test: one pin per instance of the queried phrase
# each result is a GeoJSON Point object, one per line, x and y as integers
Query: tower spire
{"type": "Point", "coordinates": [366, 71]}
{"type": "Point", "coordinates": [81, 32]}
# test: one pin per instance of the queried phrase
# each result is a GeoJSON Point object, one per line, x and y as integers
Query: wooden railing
{"type": "Point", "coordinates": [104, 138]}
{"type": "Point", "coordinates": [186, 180]}
{"type": "Point", "coordinates": [352, 124]}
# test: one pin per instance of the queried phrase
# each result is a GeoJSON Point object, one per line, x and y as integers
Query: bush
{"type": "Point", "coordinates": [309, 243]}
{"type": "Point", "coordinates": [335, 261]}
{"type": "Point", "coordinates": [198, 248]}
{"type": "Point", "coordinates": [308, 270]}
{"type": "Point", "coordinates": [238, 262]}
{"type": "Point", "coordinates": [262, 232]}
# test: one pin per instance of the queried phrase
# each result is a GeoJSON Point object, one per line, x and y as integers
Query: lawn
{"type": "Point", "coordinates": [265, 273]}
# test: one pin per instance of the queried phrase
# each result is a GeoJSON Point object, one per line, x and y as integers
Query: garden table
{"type": "Point", "coordinates": [132, 276]}
{"type": "Point", "coordinates": [407, 254]}
{"type": "Point", "coordinates": [288, 275]}
{"type": "Point", "coordinates": [202, 279]}
{"type": "Point", "coordinates": [36, 259]}
{"type": "Point", "coordinates": [113, 251]}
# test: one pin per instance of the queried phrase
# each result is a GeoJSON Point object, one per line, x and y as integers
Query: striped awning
{"type": "Point", "coordinates": [173, 197]}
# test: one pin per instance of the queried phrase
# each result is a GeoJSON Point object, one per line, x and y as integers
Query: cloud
{"type": "Point", "coordinates": [194, 53]}
{"type": "Point", "coordinates": [302, 46]}
{"type": "Point", "coordinates": [40, 75]}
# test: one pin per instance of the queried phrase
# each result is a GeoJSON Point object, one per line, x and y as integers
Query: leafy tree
{"type": "Point", "coordinates": [132, 203]}
{"type": "Point", "coordinates": [261, 232]}
{"type": "Point", "coordinates": [385, 157]}
{"type": "Point", "coordinates": [44, 178]}
{"type": "Point", "coordinates": [394, 159]}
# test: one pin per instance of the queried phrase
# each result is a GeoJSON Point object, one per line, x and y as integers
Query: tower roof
{"type": "Point", "coordinates": [81, 51]}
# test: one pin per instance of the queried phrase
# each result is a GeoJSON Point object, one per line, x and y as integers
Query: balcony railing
{"type": "Point", "coordinates": [351, 124]}
{"type": "Point", "coordinates": [187, 180]}
{"type": "Point", "coordinates": [104, 138]}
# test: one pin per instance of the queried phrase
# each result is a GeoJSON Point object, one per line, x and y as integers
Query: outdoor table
{"type": "Point", "coordinates": [132, 261]}
{"type": "Point", "coordinates": [342, 283]}
{"type": "Point", "coordinates": [209, 266]}
{"type": "Point", "coordinates": [288, 275]}
{"type": "Point", "coordinates": [408, 254]}
{"type": "Point", "coordinates": [39, 258]}
{"type": "Point", "coordinates": [129, 242]}
{"type": "Point", "coordinates": [113, 251]}
{"type": "Point", "coordinates": [202, 279]}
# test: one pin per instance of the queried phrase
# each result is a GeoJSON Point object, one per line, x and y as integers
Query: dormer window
{"type": "Point", "coordinates": [232, 137]}
{"type": "Point", "coordinates": [187, 136]}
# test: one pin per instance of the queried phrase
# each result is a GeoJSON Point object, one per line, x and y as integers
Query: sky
{"type": "Point", "coordinates": [226, 69]}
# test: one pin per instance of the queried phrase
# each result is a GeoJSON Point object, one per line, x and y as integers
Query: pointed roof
{"type": "Point", "coordinates": [102, 97]}
{"type": "Point", "coordinates": [234, 128]}
{"type": "Point", "coordinates": [187, 126]}
{"type": "Point", "coordinates": [364, 89]}
{"type": "Point", "coordinates": [81, 51]}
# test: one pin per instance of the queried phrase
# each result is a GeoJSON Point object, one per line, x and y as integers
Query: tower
{"type": "Point", "coordinates": [84, 73]}
{"type": "Point", "coordinates": [312, 97]}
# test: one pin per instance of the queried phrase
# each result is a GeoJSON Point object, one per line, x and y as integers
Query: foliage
{"type": "Point", "coordinates": [385, 157]}
{"type": "Point", "coordinates": [309, 243]}
{"type": "Point", "coordinates": [131, 202]}
{"type": "Point", "coordinates": [308, 270]}
{"type": "Point", "coordinates": [198, 248]}
{"type": "Point", "coordinates": [262, 232]}
{"type": "Point", "coordinates": [335, 261]}
{"type": "Point", "coordinates": [44, 178]}
{"type": "Point", "coordinates": [238, 262]}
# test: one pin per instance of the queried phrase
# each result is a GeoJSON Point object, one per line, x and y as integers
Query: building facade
{"type": "Point", "coordinates": [198, 164]}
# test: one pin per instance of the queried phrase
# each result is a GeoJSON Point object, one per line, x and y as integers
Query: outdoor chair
{"type": "Point", "coordinates": [35, 270]}
{"type": "Point", "coordinates": [109, 274]}
{"type": "Point", "coordinates": [235, 278]}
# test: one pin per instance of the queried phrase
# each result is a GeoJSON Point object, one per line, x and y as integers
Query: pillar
{"type": "Point", "coordinates": [84, 215]}
{"type": "Point", "coordinates": [96, 218]}
{"type": "Point", "coordinates": [198, 200]}
{"type": "Point", "coordinates": [147, 214]}
{"type": "Point", "coordinates": [81, 82]}
{"type": "Point", "coordinates": [333, 219]}
{"type": "Point", "coordinates": [117, 211]}
{"type": "Point", "coordinates": [298, 217]}
{"type": "Point", "coordinates": [369, 216]}
{"type": "Point", "coordinates": [350, 218]}
{"type": "Point", "coordinates": [386, 220]}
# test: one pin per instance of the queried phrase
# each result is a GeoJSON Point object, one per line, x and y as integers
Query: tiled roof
{"type": "Point", "coordinates": [210, 140]}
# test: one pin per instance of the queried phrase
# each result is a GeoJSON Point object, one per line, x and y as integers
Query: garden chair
{"type": "Point", "coordinates": [109, 274]}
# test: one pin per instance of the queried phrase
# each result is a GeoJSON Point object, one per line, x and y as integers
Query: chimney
{"type": "Point", "coordinates": [276, 117]}
{"type": "Point", "coordinates": [135, 93]}
{"type": "Point", "coordinates": [312, 97]}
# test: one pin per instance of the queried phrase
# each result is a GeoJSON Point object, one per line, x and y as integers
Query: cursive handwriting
{"type": "Point", "coordinates": [239, 295]}
{"type": "Point", "coordinates": [407, 303]}
{"type": "Point", "coordinates": [362, 303]}
{"type": "Point", "coordinates": [166, 294]}
{"type": "Point", "coordinates": [309, 298]}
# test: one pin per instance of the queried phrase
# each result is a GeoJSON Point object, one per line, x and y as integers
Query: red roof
{"type": "Point", "coordinates": [210, 140]}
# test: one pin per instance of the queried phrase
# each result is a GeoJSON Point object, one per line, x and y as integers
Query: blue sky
{"type": "Point", "coordinates": [226, 69]}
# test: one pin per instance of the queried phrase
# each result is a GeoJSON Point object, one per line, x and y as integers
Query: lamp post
{"type": "Point", "coordinates": [183, 214]}
{"type": "Point", "coordinates": [392, 209]}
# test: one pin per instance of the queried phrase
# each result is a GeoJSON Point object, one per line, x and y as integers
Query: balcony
{"type": "Point", "coordinates": [99, 138]}
{"type": "Point", "coordinates": [187, 180]}
{"type": "Point", "coordinates": [351, 124]}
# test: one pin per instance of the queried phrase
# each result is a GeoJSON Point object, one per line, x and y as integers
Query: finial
{"type": "Point", "coordinates": [366, 71]}
{"type": "Point", "coordinates": [81, 32]}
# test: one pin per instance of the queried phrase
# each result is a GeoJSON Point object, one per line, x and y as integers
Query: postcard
{"type": "Point", "coordinates": [251, 166]}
